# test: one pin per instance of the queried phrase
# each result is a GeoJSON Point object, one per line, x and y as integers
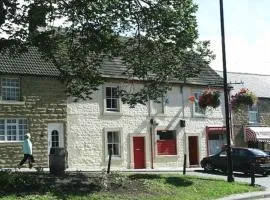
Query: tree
{"type": "Point", "coordinates": [157, 41]}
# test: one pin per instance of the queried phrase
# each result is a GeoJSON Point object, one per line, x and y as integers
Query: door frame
{"type": "Point", "coordinates": [52, 126]}
{"type": "Point", "coordinates": [146, 149]}
{"type": "Point", "coordinates": [143, 152]}
{"type": "Point", "coordinates": [199, 146]}
{"type": "Point", "coordinates": [197, 140]}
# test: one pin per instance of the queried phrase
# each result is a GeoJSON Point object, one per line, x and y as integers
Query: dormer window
{"type": "Point", "coordinates": [10, 89]}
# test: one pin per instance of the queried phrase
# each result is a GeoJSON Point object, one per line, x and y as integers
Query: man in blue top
{"type": "Point", "coordinates": [27, 151]}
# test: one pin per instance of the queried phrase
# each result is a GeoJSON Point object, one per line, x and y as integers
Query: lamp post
{"type": "Point", "coordinates": [230, 177]}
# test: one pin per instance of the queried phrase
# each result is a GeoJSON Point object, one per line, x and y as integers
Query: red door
{"type": "Point", "coordinates": [139, 154]}
{"type": "Point", "coordinates": [193, 150]}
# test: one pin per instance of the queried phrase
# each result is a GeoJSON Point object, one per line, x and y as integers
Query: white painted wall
{"type": "Point", "coordinates": [87, 122]}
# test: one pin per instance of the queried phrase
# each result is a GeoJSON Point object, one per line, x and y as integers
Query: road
{"type": "Point", "coordinates": [259, 180]}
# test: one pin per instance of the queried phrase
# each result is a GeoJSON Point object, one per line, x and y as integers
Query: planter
{"type": "Point", "coordinates": [243, 97]}
{"type": "Point", "coordinates": [209, 98]}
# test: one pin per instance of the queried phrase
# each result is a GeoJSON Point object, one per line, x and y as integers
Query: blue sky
{"type": "Point", "coordinates": [247, 33]}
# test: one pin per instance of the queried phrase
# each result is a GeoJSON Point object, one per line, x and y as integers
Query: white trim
{"type": "Point", "coordinates": [12, 102]}
{"type": "Point", "coordinates": [17, 128]}
{"type": "Point", "coordinates": [118, 111]}
{"type": "Point", "coordinates": [105, 141]}
{"type": "Point", "coordinates": [60, 128]}
{"type": "Point", "coordinates": [153, 104]}
{"type": "Point", "coordinates": [196, 114]}
{"type": "Point", "coordinates": [11, 87]}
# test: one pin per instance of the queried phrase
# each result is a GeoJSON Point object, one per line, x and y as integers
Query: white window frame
{"type": "Point", "coordinates": [14, 89]}
{"type": "Point", "coordinates": [107, 110]}
{"type": "Point", "coordinates": [199, 112]}
{"type": "Point", "coordinates": [252, 111]}
{"type": "Point", "coordinates": [106, 150]}
{"type": "Point", "coordinates": [154, 104]}
{"type": "Point", "coordinates": [57, 137]}
{"type": "Point", "coordinates": [16, 124]}
{"type": "Point", "coordinates": [251, 115]}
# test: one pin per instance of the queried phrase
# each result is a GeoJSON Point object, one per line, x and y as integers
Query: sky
{"type": "Point", "coordinates": [247, 33]}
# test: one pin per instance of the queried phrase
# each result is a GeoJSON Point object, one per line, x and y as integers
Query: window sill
{"type": "Point", "coordinates": [159, 115]}
{"type": "Point", "coordinates": [111, 113]}
{"type": "Point", "coordinates": [115, 159]}
{"type": "Point", "coordinates": [12, 102]}
{"type": "Point", "coordinates": [198, 115]}
{"type": "Point", "coordinates": [10, 142]}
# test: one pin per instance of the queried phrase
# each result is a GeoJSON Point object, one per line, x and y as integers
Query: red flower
{"type": "Point", "coordinates": [191, 98]}
{"type": "Point", "coordinates": [243, 90]}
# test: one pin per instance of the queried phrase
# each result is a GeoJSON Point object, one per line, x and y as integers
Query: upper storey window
{"type": "Point", "coordinates": [10, 89]}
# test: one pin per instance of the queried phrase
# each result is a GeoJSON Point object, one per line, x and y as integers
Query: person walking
{"type": "Point", "coordinates": [27, 151]}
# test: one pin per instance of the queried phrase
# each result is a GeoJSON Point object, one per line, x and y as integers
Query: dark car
{"type": "Point", "coordinates": [267, 152]}
{"type": "Point", "coordinates": [242, 158]}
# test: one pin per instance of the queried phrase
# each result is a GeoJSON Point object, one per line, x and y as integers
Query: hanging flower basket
{"type": "Point", "coordinates": [209, 98]}
{"type": "Point", "coordinates": [243, 97]}
{"type": "Point", "coordinates": [191, 99]}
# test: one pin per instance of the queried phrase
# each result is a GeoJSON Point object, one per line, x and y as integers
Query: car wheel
{"type": "Point", "coordinates": [208, 167]}
{"type": "Point", "coordinates": [265, 174]}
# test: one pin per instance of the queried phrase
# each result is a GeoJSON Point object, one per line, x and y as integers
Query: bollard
{"type": "Point", "coordinates": [185, 164]}
{"type": "Point", "coordinates": [252, 174]}
{"type": "Point", "coordinates": [109, 162]}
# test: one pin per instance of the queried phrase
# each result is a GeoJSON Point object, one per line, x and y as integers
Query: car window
{"type": "Point", "coordinates": [258, 152]}
{"type": "Point", "coordinates": [235, 152]}
{"type": "Point", "coordinates": [243, 152]}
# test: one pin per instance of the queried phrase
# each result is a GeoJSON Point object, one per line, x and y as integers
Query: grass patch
{"type": "Point", "coordinates": [80, 186]}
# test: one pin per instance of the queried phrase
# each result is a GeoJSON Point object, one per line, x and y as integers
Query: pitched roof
{"type": "Point", "coordinates": [27, 63]}
{"type": "Point", "coordinates": [32, 63]}
{"type": "Point", "coordinates": [115, 68]}
{"type": "Point", "coordinates": [259, 84]}
{"type": "Point", "coordinates": [207, 76]}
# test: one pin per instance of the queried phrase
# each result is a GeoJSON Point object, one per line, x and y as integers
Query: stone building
{"type": "Point", "coordinates": [32, 100]}
{"type": "Point", "coordinates": [156, 135]}
{"type": "Point", "coordinates": [251, 124]}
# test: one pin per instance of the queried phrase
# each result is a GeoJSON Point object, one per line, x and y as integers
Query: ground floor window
{"type": "Point", "coordinates": [215, 142]}
{"type": "Point", "coordinates": [256, 145]}
{"type": "Point", "coordinates": [55, 139]}
{"type": "Point", "coordinates": [113, 143]}
{"type": "Point", "coordinates": [13, 129]}
{"type": "Point", "coordinates": [166, 142]}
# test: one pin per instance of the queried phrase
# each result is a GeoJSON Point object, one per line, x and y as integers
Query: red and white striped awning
{"type": "Point", "coordinates": [257, 134]}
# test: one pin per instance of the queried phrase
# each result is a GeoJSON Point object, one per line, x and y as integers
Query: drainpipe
{"type": "Point", "coordinates": [183, 116]}
{"type": "Point", "coordinates": [151, 142]}
{"type": "Point", "coordinates": [151, 135]}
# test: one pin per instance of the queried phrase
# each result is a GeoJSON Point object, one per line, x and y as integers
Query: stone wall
{"type": "Point", "coordinates": [43, 102]}
{"type": "Point", "coordinates": [240, 119]}
{"type": "Point", "coordinates": [264, 110]}
{"type": "Point", "coordinates": [87, 124]}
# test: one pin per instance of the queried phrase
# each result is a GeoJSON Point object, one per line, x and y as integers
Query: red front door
{"type": "Point", "coordinates": [139, 154]}
{"type": "Point", "coordinates": [193, 150]}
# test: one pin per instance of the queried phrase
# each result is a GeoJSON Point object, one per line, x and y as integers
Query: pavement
{"type": "Point", "coordinates": [265, 195]}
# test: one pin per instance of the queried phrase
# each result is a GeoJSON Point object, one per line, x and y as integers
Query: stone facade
{"type": "Point", "coordinates": [43, 101]}
{"type": "Point", "coordinates": [88, 122]}
{"type": "Point", "coordinates": [264, 111]}
{"type": "Point", "coordinates": [240, 119]}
